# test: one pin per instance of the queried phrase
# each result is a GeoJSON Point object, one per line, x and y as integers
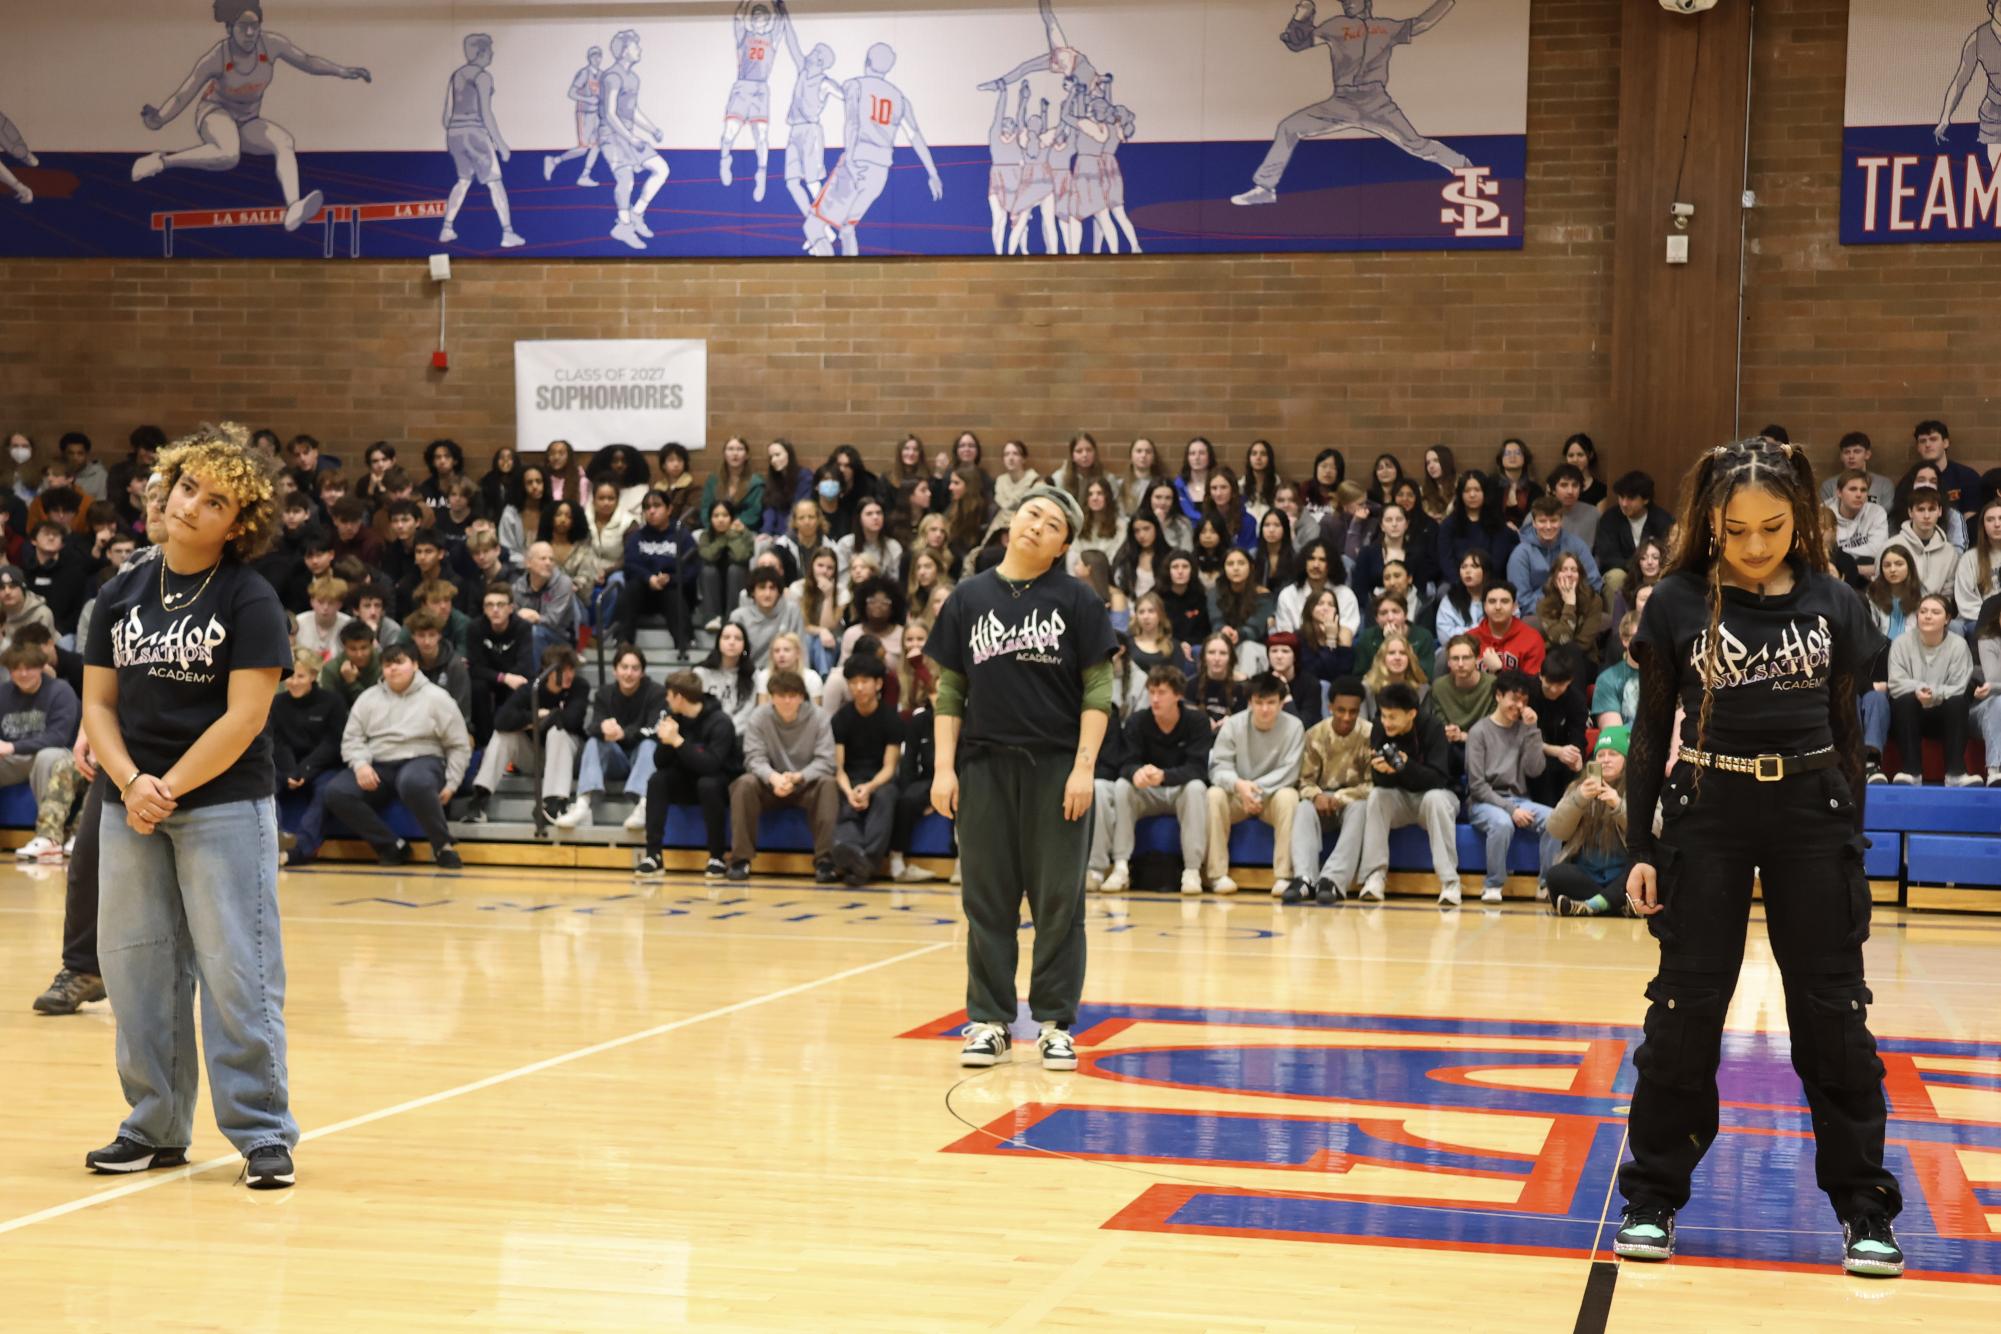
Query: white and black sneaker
{"type": "Point", "coordinates": [1058, 1051]}
{"type": "Point", "coordinates": [1646, 1232]}
{"type": "Point", "coordinates": [268, 1167]}
{"type": "Point", "coordinates": [126, 1154]}
{"type": "Point", "coordinates": [715, 869]}
{"type": "Point", "coordinates": [986, 1044]}
{"type": "Point", "coordinates": [647, 865]}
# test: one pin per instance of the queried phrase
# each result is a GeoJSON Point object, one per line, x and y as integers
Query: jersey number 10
{"type": "Point", "coordinates": [881, 110]}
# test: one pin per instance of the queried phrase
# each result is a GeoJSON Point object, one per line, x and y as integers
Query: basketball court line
{"type": "Point", "coordinates": [478, 1085]}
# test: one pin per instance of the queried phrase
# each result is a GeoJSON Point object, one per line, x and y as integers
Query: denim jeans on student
{"type": "Point", "coordinates": [818, 656]}
{"type": "Point", "coordinates": [1497, 828]}
{"type": "Point", "coordinates": [1875, 709]}
{"type": "Point", "coordinates": [607, 761]}
{"type": "Point", "coordinates": [194, 901]}
{"type": "Point", "coordinates": [1987, 717]}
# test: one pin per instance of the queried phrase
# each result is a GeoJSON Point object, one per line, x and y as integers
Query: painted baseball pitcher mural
{"type": "Point", "coordinates": [1005, 127]}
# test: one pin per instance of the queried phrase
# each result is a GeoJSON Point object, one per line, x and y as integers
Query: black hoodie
{"type": "Point", "coordinates": [709, 745]}
{"type": "Point", "coordinates": [1424, 770]}
{"type": "Point", "coordinates": [1182, 755]}
{"type": "Point", "coordinates": [517, 713]}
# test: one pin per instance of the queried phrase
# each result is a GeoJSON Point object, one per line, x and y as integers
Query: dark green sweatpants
{"type": "Point", "coordinates": [1014, 841]}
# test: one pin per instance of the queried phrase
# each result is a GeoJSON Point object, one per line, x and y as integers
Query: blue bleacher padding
{"type": "Point", "coordinates": [1885, 858]}
{"type": "Point", "coordinates": [1953, 859]}
{"type": "Point", "coordinates": [17, 807]}
{"type": "Point", "coordinates": [1932, 810]}
{"type": "Point", "coordinates": [931, 837]}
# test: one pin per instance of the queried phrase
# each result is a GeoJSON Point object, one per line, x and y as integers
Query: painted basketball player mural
{"type": "Point", "coordinates": [754, 25]}
{"type": "Point", "coordinates": [17, 148]}
{"type": "Point", "coordinates": [227, 87]}
{"type": "Point", "coordinates": [473, 137]}
{"type": "Point", "coordinates": [1360, 45]}
{"type": "Point", "coordinates": [1981, 53]}
{"type": "Point", "coordinates": [877, 109]}
{"type": "Point", "coordinates": [585, 90]}
{"type": "Point", "coordinates": [620, 123]}
{"type": "Point", "coordinates": [805, 131]}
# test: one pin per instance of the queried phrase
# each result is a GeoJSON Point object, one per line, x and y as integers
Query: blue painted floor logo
{"type": "Point", "coordinates": [1554, 1093]}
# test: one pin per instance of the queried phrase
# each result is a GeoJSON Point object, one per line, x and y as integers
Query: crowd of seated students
{"type": "Point", "coordinates": [1334, 657]}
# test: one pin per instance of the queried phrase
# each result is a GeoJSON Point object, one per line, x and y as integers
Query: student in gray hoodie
{"type": "Point", "coordinates": [38, 721]}
{"type": "Point", "coordinates": [1254, 773]}
{"type": "Point", "coordinates": [1935, 557]}
{"type": "Point", "coordinates": [1503, 751]}
{"type": "Point", "coordinates": [766, 613]}
{"type": "Point", "coordinates": [404, 740]}
{"type": "Point", "coordinates": [1931, 679]}
{"type": "Point", "coordinates": [788, 760]}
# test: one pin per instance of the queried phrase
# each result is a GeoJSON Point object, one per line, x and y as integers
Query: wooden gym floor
{"type": "Point", "coordinates": [557, 1100]}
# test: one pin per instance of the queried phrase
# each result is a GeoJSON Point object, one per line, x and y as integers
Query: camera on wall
{"type": "Point", "coordinates": [1687, 6]}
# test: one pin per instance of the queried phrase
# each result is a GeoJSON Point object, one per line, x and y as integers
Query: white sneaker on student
{"type": "Point", "coordinates": [1058, 1052]}
{"type": "Point", "coordinates": [986, 1044]}
{"type": "Point", "coordinates": [578, 813]}
{"type": "Point", "coordinates": [1491, 894]}
{"type": "Point", "coordinates": [637, 820]}
{"type": "Point", "coordinates": [1448, 896]}
{"type": "Point", "coordinates": [1963, 780]}
{"type": "Point", "coordinates": [1120, 878]}
{"type": "Point", "coordinates": [1223, 885]}
{"type": "Point", "coordinates": [1372, 890]}
{"type": "Point", "coordinates": [1094, 881]}
{"type": "Point", "coordinates": [1191, 882]}
{"type": "Point", "coordinates": [34, 848]}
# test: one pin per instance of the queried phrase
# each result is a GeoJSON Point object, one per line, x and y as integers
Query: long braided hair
{"type": "Point", "coordinates": [1719, 474]}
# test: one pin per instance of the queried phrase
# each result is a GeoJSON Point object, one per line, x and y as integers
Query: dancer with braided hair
{"type": "Point", "coordinates": [1763, 652]}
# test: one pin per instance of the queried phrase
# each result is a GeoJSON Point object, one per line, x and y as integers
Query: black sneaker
{"type": "Point", "coordinates": [268, 1167]}
{"type": "Point", "coordinates": [553, 807]}
{"type": "Point", "coordinates": [475, 811]}
{"type": "Point", "coordinates": [716, 868]}
{"type": "Point", "coordinates": [125, 1154]}
{"type": "Point", "coordinates": [824, 873]}
{"type": "Point", "coordinates": [986, 1044]}
{"type": "Point", "coordinates": [1646, 1232]}
{"type": "Point", "coordinates": [739, 871]}
{"type": "Point", "coordinates": [1565, 906]}
{"type": "Point", "coordinates": [396, 856]}
{"type": "Point", "coordinates": [1297, 891]}
{"type": "Point", "coordinates": [448, 859]}
{"type": "Point", "coordinates": [68, 991]}
{"type": "Point", "coordinates": [1326, 891]}
{"type": "Point", "coordinates": [647, 865]}
{"type": "Point", "coordinates": [850, 864]}
{"type": "Point", "coordinates": [1871, 1247]}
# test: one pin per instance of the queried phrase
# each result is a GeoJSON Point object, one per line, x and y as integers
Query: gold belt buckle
{"type": "Point", "coordinates": [1774, 773]}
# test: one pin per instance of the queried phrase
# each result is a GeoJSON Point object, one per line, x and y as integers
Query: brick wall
{"type": "Point", "coordinates": [1366, 352]}
{"type": "Point", "coordinates": [1869, 338]}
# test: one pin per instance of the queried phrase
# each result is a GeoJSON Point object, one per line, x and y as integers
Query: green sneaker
{"type": "Point", "coordinates": [1646, 1232]}
{"type": "Point", "coordinates": [1872, 1248]}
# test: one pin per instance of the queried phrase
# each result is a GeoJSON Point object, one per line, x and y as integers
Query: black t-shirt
{"type": "Point", "coordinates": [866, 738]}
{"type": "Point", "coordinates": [1776, 655]}
{"type": "Point", "coordinates": [1023, 650]}
{"type": "Point", "coordinates": [173, 668]}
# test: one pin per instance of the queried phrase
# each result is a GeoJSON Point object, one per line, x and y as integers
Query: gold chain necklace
{"type": "Point", "coordinates": [187, 599]}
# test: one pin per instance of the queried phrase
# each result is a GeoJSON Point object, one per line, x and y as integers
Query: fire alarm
{"type": "Point", "coordinates": [440, 361]}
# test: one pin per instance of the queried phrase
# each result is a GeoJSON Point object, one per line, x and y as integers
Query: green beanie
{"type": "Point", "coordinates": [1615, 737]}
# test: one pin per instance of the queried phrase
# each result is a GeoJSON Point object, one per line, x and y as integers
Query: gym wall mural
{"type": "Point", "coordinates": [1921, 144]}
{"type": "Point", "coordinates": [307, 128]}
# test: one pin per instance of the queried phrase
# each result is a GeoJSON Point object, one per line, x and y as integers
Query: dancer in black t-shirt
{"type": "Point", "coordinates": [1763, 650]}
{"type": "Point", "coordinates": [184, 656]}
{"type": "Point", "coordinates": [1024, 695]}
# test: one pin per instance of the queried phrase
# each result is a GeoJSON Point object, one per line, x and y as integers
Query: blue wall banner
{"type": "Point", "coordinates": [314, 129]}
{"type": "Point", "coordinates": [1921, 143]}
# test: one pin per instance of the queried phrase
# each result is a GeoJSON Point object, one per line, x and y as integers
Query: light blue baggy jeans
{"type": "Point", "coordinates": [197, 901]}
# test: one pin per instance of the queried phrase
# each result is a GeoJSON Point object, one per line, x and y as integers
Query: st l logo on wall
{"type": "Point", "coordinates": [1557, 1092]}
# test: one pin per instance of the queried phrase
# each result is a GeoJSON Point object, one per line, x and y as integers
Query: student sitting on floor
{"type": "Point", "coordinates": [404, 741]}
{"type": "Point", "coordinates": [1588, 876]}
{"type": "Point", "coordinates": [696, 756]}
{"type": "Point", "coordinates": [788, 755]}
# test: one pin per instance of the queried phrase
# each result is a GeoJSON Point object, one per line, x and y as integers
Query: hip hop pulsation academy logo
{"type": "Point", "coordinates": [1797, 659]}
{"type": "Point", "coordinates": [1037, 637]}
{"type": "Point", "coordinates": [172, 653]}
{"type": "Point", "coordinates": [1485, 1135]}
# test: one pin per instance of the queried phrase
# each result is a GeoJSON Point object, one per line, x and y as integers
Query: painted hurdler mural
{"type": "Point", "coordinates": [1029, 142]}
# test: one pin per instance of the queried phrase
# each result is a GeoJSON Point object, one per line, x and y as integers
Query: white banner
{"type": "Point", "coordinates": [634, 391]}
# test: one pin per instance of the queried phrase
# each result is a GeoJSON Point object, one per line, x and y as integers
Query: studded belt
{"type": "Point", "coordinates": [1764, 768]}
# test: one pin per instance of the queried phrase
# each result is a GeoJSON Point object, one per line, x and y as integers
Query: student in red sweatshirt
{"type": "Point", "coordinates": [1506, 641]}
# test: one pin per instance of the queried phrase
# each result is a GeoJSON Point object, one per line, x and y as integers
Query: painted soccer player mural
{"type": "Point", "coordinates": [755, 25]}
{"type": "Point", "coordinates": [227, 87]}
{"type": "Point", "coordinates": [585, 90]}
{"type": "Point", "coordinates": [1061, 57]}
{"type": "Point", "coordinates": [1981, 51]}
{"type": "Point", "coordinates": [1360, 45]}
{"type": "Point", "coordinates": [473, 137]}
{"type": "Point", "coordinates": [1097, 190]}
{"type": "Point", "coordinates": [876, 108]}
{"type": "Point", "coordinates": [16, 147]}
{"type": "Point", "coordinates": [1004, 138]}
{"type": "Point", "coordinates": [620, 123]}
{"type": "Point", "coordinates": [805, 135]}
